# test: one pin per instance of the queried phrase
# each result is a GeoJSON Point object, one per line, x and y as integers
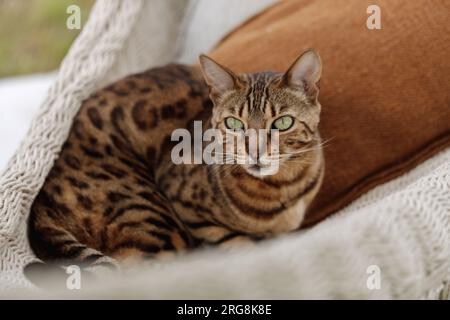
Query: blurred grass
{"type": "Point", "coordinates": [33, 34]}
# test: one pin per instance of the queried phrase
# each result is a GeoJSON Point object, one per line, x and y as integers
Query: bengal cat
{"type": "Point", "coordinates": [114, 191]}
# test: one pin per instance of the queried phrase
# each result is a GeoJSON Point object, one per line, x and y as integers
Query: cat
{"type": "Point", "coordinates": [114, 194]}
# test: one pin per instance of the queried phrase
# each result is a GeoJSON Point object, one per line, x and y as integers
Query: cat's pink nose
{"type": "Point", "coordinates": [253, 160]}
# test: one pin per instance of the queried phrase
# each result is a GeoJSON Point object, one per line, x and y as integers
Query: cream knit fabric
{"type": "Point", "coordinates": [402, 227]}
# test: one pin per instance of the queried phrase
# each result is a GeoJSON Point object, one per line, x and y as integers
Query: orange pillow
{"type": "Point", "coordinates": [385, 93]}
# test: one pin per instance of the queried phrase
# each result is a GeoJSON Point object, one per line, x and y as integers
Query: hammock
{"type": "Point", "coordinates": [400, 229]}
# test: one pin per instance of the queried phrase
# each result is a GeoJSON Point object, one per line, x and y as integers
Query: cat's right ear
{"type": "Point", "coordinates": [219, 78]}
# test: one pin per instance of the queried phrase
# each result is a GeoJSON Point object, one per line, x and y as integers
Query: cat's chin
{"type": "Point", "coordinates": [261, 172]}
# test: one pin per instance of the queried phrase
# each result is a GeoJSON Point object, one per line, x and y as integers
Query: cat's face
{"type": "Point", "coordinates": [284, 106]}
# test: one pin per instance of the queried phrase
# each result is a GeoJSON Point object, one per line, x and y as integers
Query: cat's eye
{"type": "Point", "coordinates": [283, 123]}
{"type": "Point", "coordinates": [234, 124]}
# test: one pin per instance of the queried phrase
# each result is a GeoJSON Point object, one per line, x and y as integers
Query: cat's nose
{"type": "Point", "coordinates": [257, 161]}
{"type": "Point", "coordinates": [253, 160]}
{"type": "Point", "coordinates": [264, 160]}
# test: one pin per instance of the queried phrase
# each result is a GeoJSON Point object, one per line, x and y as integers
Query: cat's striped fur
{"type": "Point", "coordinates": [115, 192]}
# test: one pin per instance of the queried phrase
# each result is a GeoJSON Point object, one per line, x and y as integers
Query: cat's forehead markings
{"type": "Point", "coordinates": [255, 99]}
{"type": "Point", "coordinates": [258, 90]}
{"type": "Point", "coordinates": [271, 110]}
{"type": "Point", "coordinates": [230, 98]}
{"type": "Point", "coordinates": [287, 98]}
{"type": "Point", "coordinates": [297, 97]}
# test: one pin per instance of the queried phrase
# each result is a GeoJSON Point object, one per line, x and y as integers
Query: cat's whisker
{"type": "Point", "coordinates": [297, 161]}
{"type": "Point", "coordinates": [304, 150]}
{"type": "Point", "coordinates": [318, 146]}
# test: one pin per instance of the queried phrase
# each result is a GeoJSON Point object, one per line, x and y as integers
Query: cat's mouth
{"type": "Point", "coordinates": [259, 170]}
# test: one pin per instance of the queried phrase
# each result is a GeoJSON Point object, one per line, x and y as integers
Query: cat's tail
{"type": "Point", "coordinates": [62, 253]}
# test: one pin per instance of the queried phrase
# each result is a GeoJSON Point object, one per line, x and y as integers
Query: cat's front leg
{"type": "Point", "coordinates": [214, 234]}
{"type": "Point", "coordinates": [238, 242]}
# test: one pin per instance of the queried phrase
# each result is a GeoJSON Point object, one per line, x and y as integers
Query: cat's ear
{"type": "Point", "coordinates": [219, 78]}
{"type": "Point", "coordinates": [305, 73]}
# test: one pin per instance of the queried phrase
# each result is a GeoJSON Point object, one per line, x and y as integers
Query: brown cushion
{"type": "Point", "coordinates": [385, 93]}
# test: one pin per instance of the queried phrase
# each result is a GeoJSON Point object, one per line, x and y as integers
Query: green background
{"type": "Point", "coordinates": [33, 34]}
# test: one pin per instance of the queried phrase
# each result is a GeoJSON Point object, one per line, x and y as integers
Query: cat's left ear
{"type": "Point", "coordinates": [305, 73]}
{"type": "Point", "coordinates": [219, 78]}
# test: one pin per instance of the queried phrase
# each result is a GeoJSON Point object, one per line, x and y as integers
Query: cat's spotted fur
{"type": "Point", "coordinates": [114, 190]}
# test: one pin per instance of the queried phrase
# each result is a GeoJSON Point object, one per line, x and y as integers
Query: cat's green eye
{"type": "Point", "coordinates": [283, 123]}
{"type": "Point", "coordinates": [234, 124]}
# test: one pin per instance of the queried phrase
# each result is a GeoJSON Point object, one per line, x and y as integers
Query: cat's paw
{"type": "Point", "coordinates": [104, 267]}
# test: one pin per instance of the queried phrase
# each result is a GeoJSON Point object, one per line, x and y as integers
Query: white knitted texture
{"type": "Point", "coordinates": [402, 226]}
{"type": "Point", "coordinates": [87, 66]}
